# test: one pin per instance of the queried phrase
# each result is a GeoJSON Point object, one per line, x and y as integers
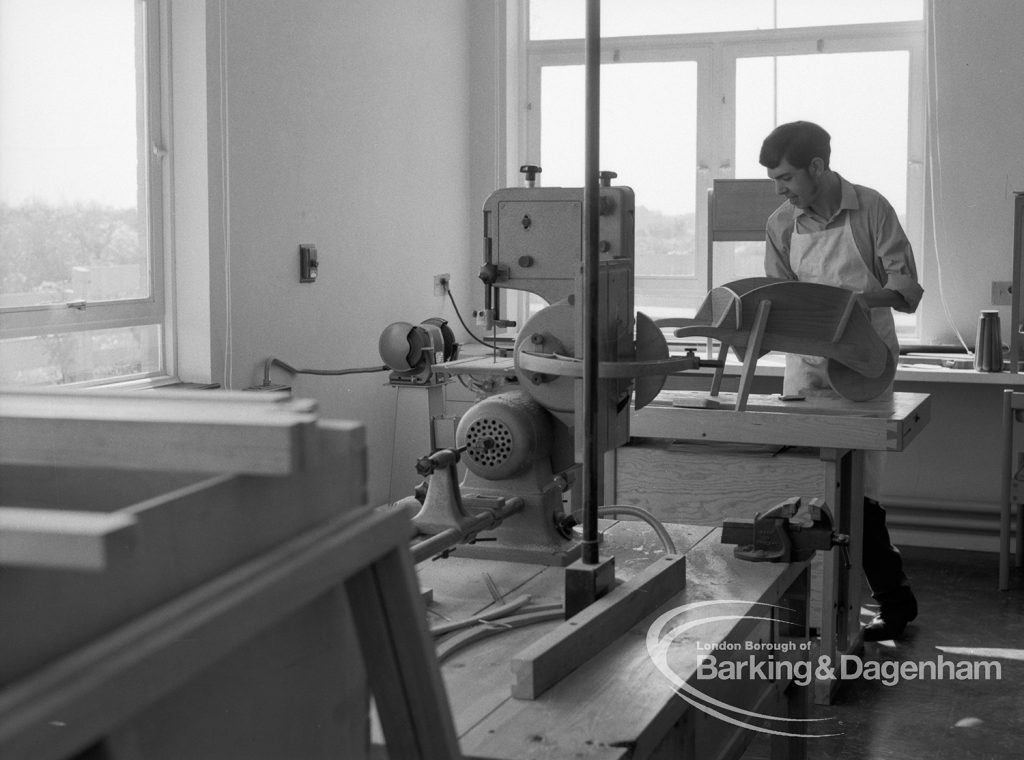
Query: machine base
{"type": "Point", "coordinates": [585, 584]}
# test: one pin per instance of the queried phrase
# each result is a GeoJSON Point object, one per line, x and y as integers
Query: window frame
{"type": "Point", "coordinates": [153, 110]}
{"type": "Point", "coordinates": [716, 54]}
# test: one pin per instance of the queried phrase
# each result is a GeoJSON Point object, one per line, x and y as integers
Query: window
{"type": "Point", "coordinates": [635, 112]}
{"type": "Point", "coordinates": [689, 90]}
{"type": "Point", "coordinates": [81, 191]}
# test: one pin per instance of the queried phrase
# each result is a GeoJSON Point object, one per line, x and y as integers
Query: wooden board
{"type": "Point", "coordinates": [552, 657]}
{"type": "Point", "coordinates": [63, 538]}
{"type": "Point", "coordinates": [96, 688]}
{"type": "Point", "coordinates": [183, 538]}
{"type": "Point", "coordinates": [821, 422]}
{"type": "Point", "coordinates": [190, 431]}
{"type": "Point", "coordinates": [92, 489]}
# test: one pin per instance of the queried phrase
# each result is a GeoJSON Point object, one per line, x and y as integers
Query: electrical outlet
{"type": "Point", "coordinates": [1002, 294]}
{"type": "Point", "coordinates": [441, 284]}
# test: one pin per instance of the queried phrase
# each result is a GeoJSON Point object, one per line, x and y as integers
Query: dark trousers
{"type": "Point", "coordinates": [883, 565]}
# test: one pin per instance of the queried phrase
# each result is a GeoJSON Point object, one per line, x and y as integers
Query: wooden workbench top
{"type": "Point", "coordinates": [618, 704]}
{"type": "Point", "coordinates": [821, 422]}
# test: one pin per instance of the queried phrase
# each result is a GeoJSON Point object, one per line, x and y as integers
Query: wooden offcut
{"type": "Point", "coordinates": [583, 636]}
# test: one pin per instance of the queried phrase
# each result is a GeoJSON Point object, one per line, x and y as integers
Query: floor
{"type": "Point", "coordinates": [963, 617]}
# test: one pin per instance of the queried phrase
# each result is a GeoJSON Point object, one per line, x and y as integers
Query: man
{"type": "Point", "coordinates": [836, 233]}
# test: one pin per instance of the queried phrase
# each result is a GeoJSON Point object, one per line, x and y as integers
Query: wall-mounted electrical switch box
{"type": "Point", "coordinates": [307, 263]}
{"type": "Point", "coordinates": [1002, 293]}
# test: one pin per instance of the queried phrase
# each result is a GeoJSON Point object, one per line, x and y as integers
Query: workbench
{"type": "Point", "coordinates": [840, 431]}
{"type": "Point", "coordinates": [618, 704]}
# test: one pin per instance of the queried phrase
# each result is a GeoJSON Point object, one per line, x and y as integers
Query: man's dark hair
{"type": "Point", "coordinates": [798, 142]}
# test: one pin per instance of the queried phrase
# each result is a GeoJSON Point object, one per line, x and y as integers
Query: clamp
{"type": "Point", "coordinates": [785, 533]}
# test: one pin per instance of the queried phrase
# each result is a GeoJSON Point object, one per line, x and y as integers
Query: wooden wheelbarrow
{"type": "Point", "coordinates": [761, 314]}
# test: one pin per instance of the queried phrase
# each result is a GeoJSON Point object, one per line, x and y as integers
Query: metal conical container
{"type": "Point", "coordinates": [988, 346]}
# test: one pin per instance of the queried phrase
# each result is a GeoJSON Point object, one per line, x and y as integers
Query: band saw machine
{"type": "Point", "coordinates": [520, 447]}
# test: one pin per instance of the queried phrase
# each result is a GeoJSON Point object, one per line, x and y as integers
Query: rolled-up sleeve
{"type": "Point", "coordinates": [894, 258]}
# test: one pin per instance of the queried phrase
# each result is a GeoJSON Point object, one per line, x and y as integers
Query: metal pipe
{"type": "Point", "coordinates": [436, 544]}
{"type": "Point", "coordinates": [659, 527]}
{"type": "Point", "coordinates": [446, 539]}
{"type": "Point", "coordinates": [591, 307]}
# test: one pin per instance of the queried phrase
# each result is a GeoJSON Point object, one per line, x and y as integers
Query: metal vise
{"type": "Point", "coordinates": [785, 533]}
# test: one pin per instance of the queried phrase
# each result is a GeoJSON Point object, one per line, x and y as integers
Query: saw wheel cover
{"type": "Point", "coordinates": [555, 324]}
{"type": "Point", "coordinates": [854, 386]}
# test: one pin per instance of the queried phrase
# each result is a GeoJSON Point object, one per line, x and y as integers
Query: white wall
{"type": "Point", "coordinates": [979, 128]}
{"type": "Point", "coordinates": [979, 133]}
{"type": "Point", "coordinates": [347, 126]}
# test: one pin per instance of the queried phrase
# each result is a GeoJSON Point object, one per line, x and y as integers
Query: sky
{"type": "Point", "coordinates": [67, 101]}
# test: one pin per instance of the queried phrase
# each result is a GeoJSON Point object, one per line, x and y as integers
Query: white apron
{"type": "Point", "coordinates": [831, 257]}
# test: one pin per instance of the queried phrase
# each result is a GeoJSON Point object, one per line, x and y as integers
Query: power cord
{"type": "Point", "coordinates": [288, 368]}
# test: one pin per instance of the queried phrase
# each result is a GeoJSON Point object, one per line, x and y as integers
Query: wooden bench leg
{"type": "Point", "coordinates": [841, 584]}
{"type": "Point", "coordinates": [401, 664]}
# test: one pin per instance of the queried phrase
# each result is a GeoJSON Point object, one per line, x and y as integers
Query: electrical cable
{"type": "Point", "coordinates": [472, 384]}
{"type": "Point", "coordinates": [611, 510]}
{"type": "Point", "coordinates": [288, 368]}
{"type": "Point", "coordinates": [466, 327]}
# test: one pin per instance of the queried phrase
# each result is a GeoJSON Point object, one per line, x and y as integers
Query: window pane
{"type": "Point", "coordinates": [565, 19]}
{"type": "Point", "coordinates": [860, 98]}
{"type": "Point", "coordinates": [70, 227]}
{"type": "Point", "coordinates": [795, 13]}
{"type": "Point", "coordinates": [84, 356]}
{"type": "Point", "coordinates": [648, 137]}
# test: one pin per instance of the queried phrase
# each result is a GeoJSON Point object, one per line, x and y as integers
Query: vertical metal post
{"type": "Point", "coordinates": [591, 289]}
{"type": "Point", "coordinates": [1017, 287]}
